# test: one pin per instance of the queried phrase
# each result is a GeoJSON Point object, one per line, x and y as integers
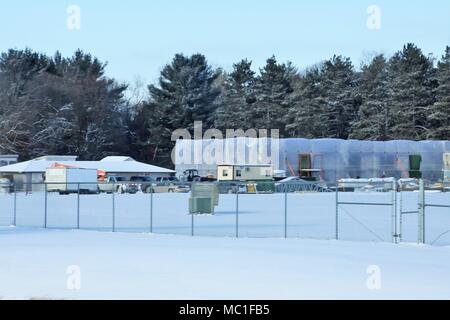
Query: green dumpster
{"type": "Point", "coordinates": [415, 163]}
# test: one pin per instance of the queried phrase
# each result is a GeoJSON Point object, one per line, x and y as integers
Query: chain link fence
{"type": "Point", "coordinates": [350, 210]}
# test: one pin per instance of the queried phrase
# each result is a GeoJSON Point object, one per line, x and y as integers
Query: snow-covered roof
{"type": "Point", "coordinates": [117, 159]}
{"type": "Point", "coordinates": [58, 158]}
{"type": "Point", "coordinates": [9, 156]}
{"type": "Point", "coordinates": [110, 166]}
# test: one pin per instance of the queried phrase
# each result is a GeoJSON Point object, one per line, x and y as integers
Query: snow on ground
{"type": "Point", "coordinates": [33, 264]}
{"type": "Point", "coordinates": [132, 264]}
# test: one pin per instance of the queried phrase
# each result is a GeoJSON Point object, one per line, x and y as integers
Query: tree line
{"type": "Point", "coordinates": [67, 105]}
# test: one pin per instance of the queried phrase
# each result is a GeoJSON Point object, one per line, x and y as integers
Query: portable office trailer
{"type": "Point", "coordinates": [244, 172]}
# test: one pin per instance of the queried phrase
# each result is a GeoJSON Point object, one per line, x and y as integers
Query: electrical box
{"type": "Point", "coordinates": [201, 206]}
{"type": "Point", "coordinates": [204, 198]}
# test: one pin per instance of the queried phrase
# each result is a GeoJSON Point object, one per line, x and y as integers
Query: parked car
{"type": "Point", "coordinates": [169, 185]}
{"type": "Point", "coordinates": [119, 185]}
{"type": "Point", "coordinates": [167, 180]}
{"type": "Point", "coordinates": [232, 188]}
{"type": "Point", "coordinates": [144, 183]}
{"type": "Point", "coordinates": [5, 185]}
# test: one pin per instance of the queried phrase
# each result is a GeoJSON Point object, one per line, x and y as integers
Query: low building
{"type": "Point", "coordinates": [29, 174]}
{"type": "Point", "coordinates": [8, 159]}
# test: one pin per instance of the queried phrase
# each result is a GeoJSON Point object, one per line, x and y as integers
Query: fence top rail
{"type": "Point", "coordinates": [364, 203]}
{"type": "Point", "coordinates": [437, 205]}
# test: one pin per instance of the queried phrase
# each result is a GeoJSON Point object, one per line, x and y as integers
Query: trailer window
{"type": "Point", "coordinates": [238, 173]}
{"type": "Point", "coordinates": [225, 173]}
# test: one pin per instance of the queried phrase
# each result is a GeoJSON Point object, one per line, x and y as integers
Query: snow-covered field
{"type": "Point", "coordinates": [309, 216]}
{"type": "Point", "coordinates": [169, 264]}
{"type": "Point", "coordinates": [34, 265]}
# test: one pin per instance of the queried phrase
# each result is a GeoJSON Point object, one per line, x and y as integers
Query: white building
{"type": "Point", "coordinates": [6, 160]}
{"type": "Point", "coordinates": [25, 174]}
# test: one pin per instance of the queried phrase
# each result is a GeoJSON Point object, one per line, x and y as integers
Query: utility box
{"type": "Point", "coordinates": [206, 190]}
{"type": "Point", "coordinates": [201, 206]}
{"type": "Point", "coordinates": [204, 198]}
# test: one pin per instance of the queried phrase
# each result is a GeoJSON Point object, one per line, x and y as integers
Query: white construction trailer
{"type": "Point", "coordinates": [244, 173]}
{"type": "Point", "coordinates": [71, 180]}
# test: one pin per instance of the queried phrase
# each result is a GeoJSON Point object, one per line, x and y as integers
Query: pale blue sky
{"type": "Point", "coordinates": [138, 37]}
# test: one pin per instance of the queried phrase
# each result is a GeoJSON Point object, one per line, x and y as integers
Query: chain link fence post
{"type": "Point", "coordinates": [285, 213]}
{"type": "Point", "coordinates": [421, 237]}
{"type": "Point", "coordinates": [395, 233]}
{"type": "Point", "coordinates": [192, 224]}
{"type": "Point", "coordinates": [114, 207]}
{"type": "Point", "coordinates": [400, 236]}
{"type": "Point", "coordinates": [15, 205]}
{"type": "Point", "coordinates": [337, 211]}
{"type": "Point", "coordinates": [151, 209]}
{"type": "Point", "coordinates": [78, 206]}
{"type": "Point", "coordinates": [237, 211]}
{"type": "Point", "coordinates": [45, 204]}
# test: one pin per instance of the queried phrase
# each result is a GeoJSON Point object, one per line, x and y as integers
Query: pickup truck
{"type": "Point", "coordinates": [144, 183]}
{"type": "Point", "coordinates": [117, 185]}
{"type": "Point", "coordinates": [5, 185]}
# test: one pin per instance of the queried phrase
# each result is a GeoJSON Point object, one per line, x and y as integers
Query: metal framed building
{"type": "Point", "coordinates": [321, 159]}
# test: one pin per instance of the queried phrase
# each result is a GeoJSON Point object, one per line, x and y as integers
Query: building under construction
{"type": "Point", "coordinates": [319, 159]}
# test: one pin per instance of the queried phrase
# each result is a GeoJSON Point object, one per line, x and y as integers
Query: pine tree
{"type": "Point", "coordinates": [374, 117]}
{"type": "Point", "coordinates": [235, 108]}
{"type": "Point", "coordinates": [272, 90]}
{"type": "Point", "coordinates": [187, 92]}
{"type": "Point", "coordinates": [328, 101]}
{"type": "Point", "coordinates": [307, 102]}
{"type": "Point", "coordinates": [412, 92]}
{"type": "Point", "coordinates": [439, 115]}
